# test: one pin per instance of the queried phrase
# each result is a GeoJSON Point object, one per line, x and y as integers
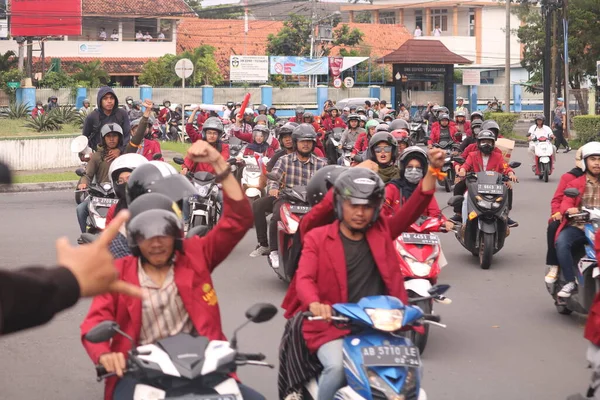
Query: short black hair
{"type": "Point", "coordinates": [367, 103]}
{"type": "Point", "coordinates": [383, 102]}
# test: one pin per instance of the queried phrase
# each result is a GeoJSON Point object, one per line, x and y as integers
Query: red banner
{"type": "Point", "coordinates": [335, 66]}
{"type": "Point", "coordinates": [45, 17]}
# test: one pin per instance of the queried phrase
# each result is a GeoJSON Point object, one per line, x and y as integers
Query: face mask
{"type": "Point", "coordinates": [486, 148]}
{"type": "Point", "coordinates": [413, 175]}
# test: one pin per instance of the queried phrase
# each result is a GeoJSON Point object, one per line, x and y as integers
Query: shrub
{"type": "Point", "coordinates": [43, 123]}
{"type": "Point", "coordinates": [587, 127]}
{"type": "Point", "coordinates": [506, 122]}
{"type": "Point", "coordinates": [65, 115]}
{"type": "Point", "coordinates": [16, 111]}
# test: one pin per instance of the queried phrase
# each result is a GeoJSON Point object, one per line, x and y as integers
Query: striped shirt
{"type": "Point", "coordinates": [290, 171]}
{"type": "Point", "coordinates": [163, 313]}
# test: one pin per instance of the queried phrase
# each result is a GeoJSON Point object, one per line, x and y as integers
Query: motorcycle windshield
{"type": "Point", "coordinates": [295, 194]}
{"type": "Point", "coordinates": [489, 177]}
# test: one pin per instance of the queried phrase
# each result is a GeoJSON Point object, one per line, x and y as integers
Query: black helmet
{"type": "Point", "coordinates": [230, 104]}
{"type": "Point", "coordinates": [491, 125]}
{"type": "Point", "coordinates": [354, 117]}
{"type": "Point", "coordinates": [321, 182]}
{"type": "Point", "coordinates": [165, 103]}
{"type": "Point", "coordinates": [383, 137]}
{"type": "Point", "coordinates": [359, 186]}
{"type": "Point", "coordinates": [486, 148]}
{"type": "Point", "coordinates": [158, 177]}
{"type": "Point", "coordinates": [310, 115]}
{"type": "Point", "coordinates": [273, 108]}
{"type": "Point", "coordinates": [304, 132]}
{"type": "Point", "coordinates": [154, 215]}
{"type": "Point", "coordinates": [476, 114]}
{"type": "Point", "coordinates": [399, 124]}
{"type": "Point", "coordinates": [285, 129]}
{"type": "Point", "coordinates": [262, 108]}
{"type": "Point", "coordinates": [382, 128]}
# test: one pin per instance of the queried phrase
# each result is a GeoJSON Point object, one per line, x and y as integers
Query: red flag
{"type": "Point", "coordinates": [260, 163]}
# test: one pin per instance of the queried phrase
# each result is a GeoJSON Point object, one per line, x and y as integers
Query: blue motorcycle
{"type": "Point", "coordinates": [379, 361]}
{"type": "Point", "coordinates": [587, 271]}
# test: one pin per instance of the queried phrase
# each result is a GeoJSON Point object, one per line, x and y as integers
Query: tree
{"type": "Point", "coordinates": [160, 73]}
{"type": "Point", "coordinates": [8, 61]}
{"type": "Point", "coordinates": [294, 38]}
{"type": "Point", "coordinates": [206, 70]}
{"type": "Point", "coordinates": [92, 73]}
{"type": "Point", "coordinates": [56, 80]}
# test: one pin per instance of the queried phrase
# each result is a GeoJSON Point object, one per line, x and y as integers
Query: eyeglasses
{"type": "Point", "coordinates": [387, 149]}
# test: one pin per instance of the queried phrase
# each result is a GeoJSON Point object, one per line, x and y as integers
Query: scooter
{"type": "Point", "coordinates": [101, 198]}
{"type": "Point", "coordinates": [253, 179]}
{"type": "Point", "coordinates": [185, 366]}
{"type": "Point", "coordinates": [544, 157]}
{"type": "Point", "coordinates": [485, 213]}
{"type": "Point", "coordinates": [79, 146]}
{"type": "Point", "coordinates": [587, 272]}
{"type": "Point", "coordinates": [418, 131]}
{"type": "Point", "coordinates": [379, 362]}
{"type": "Point", "coordinates": [345, 158]}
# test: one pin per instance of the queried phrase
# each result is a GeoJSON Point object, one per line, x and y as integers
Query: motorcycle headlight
{"type": "Point", "coordinates": [418, 268]}
{"type": "Point", "coordinates": [107, 186]}
{"type": "Point", "coordinates": [385, 320]}
{"type": "Point", "coordinates": [202, 190]}
{"type": "Point", "coordinates": [99, 221]}
{"type": "Point", "coordinates": [380, 386]}
{"type": "Point", "coordinates": [485, 204]}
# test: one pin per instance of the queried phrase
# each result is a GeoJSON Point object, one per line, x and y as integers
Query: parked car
{"type": "Point", "coordinates": [355, 101]}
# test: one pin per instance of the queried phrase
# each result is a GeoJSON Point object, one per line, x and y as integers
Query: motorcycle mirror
{"type": "Point", "coordinates": [157, 156]}
{"type": "Point", "coordinates": [571, 192]}
{"type": "Point", "coordinates": [102, 332]}
{"type": "Point", "coordinates": [456, 200]}
{"type": "Point", "coordinates": [358, 158]}
{"type": "Point", "coordinates": [80, 172]}
{"type": "Point", "coordinates": [178, 160]}
{"type": "Point", "coordinates": [200, 230]}
{"type": "Point", "coordinates": [459, 160]}
{"type": "Point", "coordinates": [514, 164]}
{"type": "Point", "coordinates": [261, 312]}
{"type": "Point", "coordinates": [438, 289]}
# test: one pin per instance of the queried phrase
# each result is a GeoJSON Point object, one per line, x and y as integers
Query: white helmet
{"type": "Point", "coordinates": [126, 162]}
{"type": "Point", "coordinates": [589, 149]}
{"type": "Point", "coordinates": [248, 111]}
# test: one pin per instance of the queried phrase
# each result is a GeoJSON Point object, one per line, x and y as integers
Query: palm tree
{"type": "Point", "coordinates": [92, 73]}
{"type": "Point", "coordinates": [8, 61]}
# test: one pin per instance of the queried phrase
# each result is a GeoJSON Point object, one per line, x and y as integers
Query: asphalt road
{"type": "Point", "coordinates": [504, 338]}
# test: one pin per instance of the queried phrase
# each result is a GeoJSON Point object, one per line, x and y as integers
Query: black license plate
{"type": "Point", "coordinates": [485, 188]}
{"type": "Point", "coordinates": [420, 238]}
{"type": "Point", "coordinates": [104, 201]}
{"type": "Point", "coordinates": [299, 209]}
{"type": "Point", "coordinates": [390, 355]}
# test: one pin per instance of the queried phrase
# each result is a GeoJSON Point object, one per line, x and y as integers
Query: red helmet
{"type": "Point", "coordinates": [401, 135]}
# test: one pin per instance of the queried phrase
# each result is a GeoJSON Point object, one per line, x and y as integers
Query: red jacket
{"type": "Point", "coordinates": [436, 131]}
{"type": "Point", "coordinates": [196, 167]}
{"type": "Point", "coordinates": [37, 111]}
{"type": "Point", "coordinates": [149, 149]}
{"type": "Point", "coordinates": [592, 327]}
{"type": "Point", "coordinates": [362, 143]}
{"type": "Point", "coordinates": [163, 114]}
{"type": "Point", "coordinates": [321, 274]}
{"type": "Point", "coordinates": [496, 163]}
{"type": "Point", "coordinates": [110, 214]}
{"type": "Point", "coordinates": [329, 124]}
{"type": "Point", "coordinates": [193, 279]}
{"type": "Point", "coordinates": [394, 202]}
{"type": "Point", "coordinates": [558, 197]}
{"type": "Point", "coordinates": [194, 133]}
{"type": "Point", "coordinates": [467, 128]}
{"type": "Point", "coordinates": [570, 202]}
{"type": "Point", "coordinates": [247, 137]}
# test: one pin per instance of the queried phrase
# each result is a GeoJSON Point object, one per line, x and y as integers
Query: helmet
{"type": "Point", "coordinates": [310, 115]}
{"type": "Point", "coordinates": [137, 103]}
{"type": "Point", "coordinates": [443, 110]}
{"type": "Point", "coordinates": [589, 149]}
{"type": "Point", "coordinates": [158, 177]}
{"type": "Point", "coordinates": [460, 114]}
{"type": "Point", "coordinates": [382, 128]}
{"type": "Point", "coordinates": [399, 124]}
{"type": "Point", "coordinates": [262, 130]}
{"type": "Point", "coordinates": [126, 162]}
{"type": "Point", "coordinates": [272, 108]}
{"type": "Point", "coordinates": [383, 137]}
{"type": "Point", "coordinates": [361, 110]}
{"type": "Point", "coordinates": [370, 124]}
{"type": "Point", "coordinates": [491, 125]}
{"type": "Point", "coordinates": [363, 118]}
{"type": "Point", "coordinates": [230, 104]}
{"type": "Point", "coordinates": [262, 118]}
{"type": "Point", "coordinates": [304, 132]}
{"type": "Point", "coordinates": [128, 99]}
{"type": "Point", "coordinates": [248, 111]}
{"type": "Point", "coordinates": [485, 135]}
{"type": "Point", "coordinates": [442, 116]}
{"type": "Point", "coordinates": [213, 123]}
{"type": "Point", "coordinates": [401, 135]}
{"type": "Point", "coordinates": [353, 107]}
{"type": "Point", "coordinates": [165, 103]}
{"type": "Point", "coordinates": [354, 117]}
{"type": "Point", "coordinates": [388, 116]}
{"type": "Point", "coordinates": [321, 182]}
{"type": "Point", "coordinates": [39, 103]}
{"type": "Point", "coordinates": [540, 117]}
{"type": "Point", "coordinates": [86, 101]}
{"type": "Point", "coordinates": [299, 110]}
{"type": "Point", "coordinates": [359, 186]}
{"type": "Point", "coordinates": [263, 108]}
{"type": "Point", "coordinates": [477, 114]}
{"type": "Point", "coordinates": [333, 108]}
{"type": "Point", "coordinates": [285, 129]}
{"type": "Point", "coordinates": [410, 153]}
{"type": "Point", "coordinates": [346, 108]}
{"type": "Point", "coordinates": [110, 128]}
{"type": "Point", "coordinates": [154, 215]}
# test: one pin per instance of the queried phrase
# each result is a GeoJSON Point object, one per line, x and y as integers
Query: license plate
{"type": "Point", "coordinates": [299, 209]}
{"type": "Point", "coordinates": [252, 168]}
{"type": "Point", "coordinates": [203, 397]}
{"type": "Point", "coordinates": [389, 355]}
{"type": "Point", "coordinates": [484, 188]}
{"type": "Point", "coordinates": [420, 238]}
{"type": "Point", "coordinates": [104, 201]}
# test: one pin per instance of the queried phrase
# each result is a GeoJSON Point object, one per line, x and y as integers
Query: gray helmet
{"type": "Point", "coordinates": [486, 134]}
{"type": "Point", "coordinates": [304, 132]}
{"type": "Point", "coordinates": [213, 123]}
{"type": "Point", "coordinates": [137, 103]}
{"type": "Point", "coordinates": [364, 118]}
{"type": "Point", "coordinates": [383, 137]}
{"type": "Point", "coordinates": [442, 116]}
{"type": "Point", "coordinates": [359, 186]}
{"type": "Point", "coordinates": [491, 125]}
{"type": "Point", "coordinates": [109, 128]}
{"type": "Point", "coordinates": [310, 115]}
{"type": "Point", "coordinates": [399, 124]}
{"type": "Point", "coordinates": [86, 101]}
{"type": "Point", "coordinates": [355, 117]}
{"type": "Point", "coordinates": [321, 182]}
{"type": "Point", "coordinates": [262, 129]}
{"type": "Point", "coordinates": [263, 108]}
{"type": "Point", "coordinates": [460, 114]}
{"type": "Point", "coordinates": [382, 128]}
{"type": "Point", "coordinates": [540, 117]}
{"type": "Point", "coordinates": [299, 110]}
{"type": "Point", "coordinates": [476, 114]}
{"type": "Point", "coordinates": [361, 110]}
{"type": "Point", "coordinates": [443, 110]}
{"type": "Point", "coordinates": [285, 129]}
{"type": "Point", "coordinates": [261, 117]}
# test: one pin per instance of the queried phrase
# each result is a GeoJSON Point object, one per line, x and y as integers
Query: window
{"type": "Point", "coordinates": [471, 22]}
{"type": "Point", "coordinates": [387, 17]}
{"type": "Point", "coordinates": [439, 18]}
{"type": "Point", "coordinates": [419, 19]}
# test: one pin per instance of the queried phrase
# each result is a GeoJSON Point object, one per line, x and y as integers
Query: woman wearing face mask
{"type": "Point", "coordinates": [259, 144]}
{"type": "Point", "coordinates": [413, 166]}
{"type": "Point", "coordinates": [383, 150]}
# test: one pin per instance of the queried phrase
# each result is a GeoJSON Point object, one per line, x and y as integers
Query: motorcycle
{"type": "Point", "coordinates": [418, 131]}
{"type": "Point", "coordinates": [346, 158]}
{"type": "Point", "coordinates": [379, 363]}
{"type": "Point", "coordinates": [452, 156]}
{"type": "Point", "coordinates": [185, 365]}
{"type": "Point", "coordinates": [544, 157]}
{"type": "Point", "coordinates": [101, 198]}
{"type": "Point", "coordinates": [587, 271]}
{"type": "Point", "coordinates": [79, 146]}
{"type": "Point", "coordinates": [485, 214]}
{"type": "Point", "coordinates": [253, 180]}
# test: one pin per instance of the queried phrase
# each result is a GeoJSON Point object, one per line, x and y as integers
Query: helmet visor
{"type": "Point", "coordinates": [153, 223]}
{"type": "Point", "coordinates": [176, 187]}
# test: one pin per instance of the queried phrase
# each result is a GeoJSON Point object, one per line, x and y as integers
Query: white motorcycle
{"type": "Point", "coordinates": [253, 181]}
{"type": "Point", "coordinates": [543, 156]}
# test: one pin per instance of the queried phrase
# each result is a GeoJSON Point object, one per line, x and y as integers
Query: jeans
{"type": "Point", "coordinates": [83, 212]}
{"type": "Point", "coordinates": [551, 257]}
{"type": "Point", "coordinates": [261, 208]}
{"type": "Point", "coordinates": [333, 377]}
{"type": "Point", "coordinates": [126, 388]}
{"type": "Point", "coordinates": [276, 217]}
{"type": "Point", "coordinates": [568, 238]}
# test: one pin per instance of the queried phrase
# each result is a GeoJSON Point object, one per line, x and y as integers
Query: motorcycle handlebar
{"type": "Point", "coordinates": [432, 317]}
{"type": "Point", "coordinates": [251, 356]}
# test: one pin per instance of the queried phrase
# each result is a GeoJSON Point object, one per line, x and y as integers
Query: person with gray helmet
{"type": "Point", "coordinates": [142, 140]}
{"type": "Point", "coordinates": [298, 115]}
{"type": "Point", "coordinates": [345, 114]}
{"type": "Point", "coordinates": [108, 112]}
{"type": "Point", "coordinates": [536, 131]}
{"type": "Point", "coordinates": [136, 110]}
{"type": "Point", "coordinates": [462, 125]}
{"type": "Point", "coordinates": [86, 108]}
{"type": "Point", "coordinates": [98, 167]}
{"type": "Point", "coordinates": [443, 131]}
{"type": "Point", "coordinates": [128, 103]}
{"type": "Point", "coordinates": [291, 170]}
{"type": "Point", "coordinates": [383, 151]}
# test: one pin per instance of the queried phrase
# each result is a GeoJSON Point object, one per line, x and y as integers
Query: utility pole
{"type": "Point", "coordinates": [245, 26]}
{"type": "Point", "coordinates": [312, 78]}
{"type": "Point", "coordinates": [20, 41]}
{"type": "Point", "coordinates": [547, 13]}
{"type": "Point", "coordinates": [507, 60]}
{"type": "Point", "coordinates": [555, 60]}
{"type": "Point", "coordinates": [29, 56]}
{"type": "Point", "coordinates": [566, 59]}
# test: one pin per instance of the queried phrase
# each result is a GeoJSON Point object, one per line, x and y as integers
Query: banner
{"type": "Point", "coordinates": [289, 65]}
{"type": "Point", "coordinates": [335, 66]}
{"type": "Point", "coordinates": [248, 68]}
{"type": "Point", "coordinates": [45, 17]}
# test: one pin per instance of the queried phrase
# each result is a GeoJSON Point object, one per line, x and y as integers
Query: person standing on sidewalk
{"type": "Point", "coordinates": [559, 123]}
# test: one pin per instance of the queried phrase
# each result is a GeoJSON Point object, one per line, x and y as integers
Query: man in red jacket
{"type": "Point", "coordinates": [443, 132]}
{"type": "Point", "coordinates": [346, 260]}
{"type": "Point", "coordinates": [174, 273]}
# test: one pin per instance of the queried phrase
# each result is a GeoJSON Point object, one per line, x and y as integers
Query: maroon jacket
{"type": "Point", "coordinates": [592, 327]}
{"type": "Point", "coordinates": [557, 199]}
{"type": "Point", "coordinates": [436, 131]}
{"type": "Point", "coordinates": [570, 202]}
{"type": "Point", "coordinates": [496, 163]}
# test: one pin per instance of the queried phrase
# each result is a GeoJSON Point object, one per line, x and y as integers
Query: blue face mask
{"type": "Point", "coordinates": [413, 174]}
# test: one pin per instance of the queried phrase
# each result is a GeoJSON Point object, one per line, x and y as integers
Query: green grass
{"type": "Point", "coordinates": [46, 177]}
{"type": "Point", "coordinates": [175, 146]}
{"type": "Point", "coordinates": [10, 128]}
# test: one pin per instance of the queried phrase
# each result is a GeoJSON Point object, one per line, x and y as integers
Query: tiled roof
{"type": "Point", "coordinates": [114, 66]}
{"type": "Point", "coordinates": [415, 51]}
{"type": "Point", "coordinates": [227, 36]}
{"type": "Point", "coordinates": [146, 8]}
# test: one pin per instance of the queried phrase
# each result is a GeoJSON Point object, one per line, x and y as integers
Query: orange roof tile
{"type": "Point", "coordinates": [146, 8]}
{"type": "Point", "coordinates": [417, 51]}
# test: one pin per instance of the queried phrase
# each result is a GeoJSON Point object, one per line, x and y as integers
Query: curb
{"type": "Point", "coordinates": [38, 187]}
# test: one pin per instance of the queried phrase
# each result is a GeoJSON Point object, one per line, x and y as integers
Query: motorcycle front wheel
{"type": "Point", "coordinates": [420, 340]}
{"type": "Point", "coordinates": [546, 172]}
{"type": "Point", "coordinates": [486, 250]}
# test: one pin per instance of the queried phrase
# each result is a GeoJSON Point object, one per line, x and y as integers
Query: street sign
{"type": "Point", "coordinates": [184, 68]}
{"type": "Point", "coordinates": [348, 82]}
{"type": "Point", "coordinates": [337, 82]}
{"type": "Point", "coordinates": [471, 77]}
{"type": "Point", "coordinates": [13, 85]}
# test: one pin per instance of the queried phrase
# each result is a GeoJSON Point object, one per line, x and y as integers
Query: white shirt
{"type": "Point", "coordinates": [227, 113]}
{"type": "Point", "coordinates": [544, 131]}
{"type": "Point", "coordinates": [139, 36]}
{"type": "Point", "coordinates": [102, 35]}
{"type": "Point", "coordinates": [437, 32]}
{"type": "Point", "coordinates": [485, 161]}
{"type": "Point", "coordinates": [147, 38]}
{"type": "Point", "coordinates": [418, 32]}
{"type": "Point", "coordinates": [161, 35]}
{"type": "Point", "coordinates": [114, 37]}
